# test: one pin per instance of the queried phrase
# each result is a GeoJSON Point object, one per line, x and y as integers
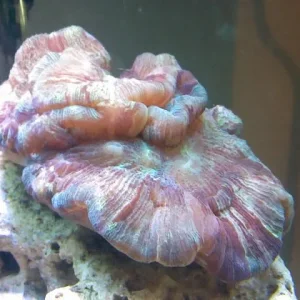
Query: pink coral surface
{"type": "Point", "coordinates": [139, 159]}
{"type": "Point", "coordinates": [60, 94]}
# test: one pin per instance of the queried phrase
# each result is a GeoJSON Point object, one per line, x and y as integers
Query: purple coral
{"type": "Point", "coordinates": [206, 199]}
{"type": "Point", "coordinates": [66, 96]}
{"type": "Point", "coordinates": [209, 199]}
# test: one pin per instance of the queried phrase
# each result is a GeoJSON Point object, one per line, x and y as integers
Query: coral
{"type": "Point", "coordinates": [59, 260]}
{"type": "Point", "coordinates": [209, 200]}
{"type": "Point", "coordinates": [65, 96]}
{"type": "Point", "coordinates": [139, 159]}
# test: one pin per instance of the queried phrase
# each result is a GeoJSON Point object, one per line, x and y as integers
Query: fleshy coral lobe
{"type": "Point", "coordinates": [140, 159]}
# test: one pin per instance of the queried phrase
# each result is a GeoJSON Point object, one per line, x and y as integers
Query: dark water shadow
{"type": "Point", "coordinates": [10, 32]}
{"type": "Point", "coordinates": [293, 71]}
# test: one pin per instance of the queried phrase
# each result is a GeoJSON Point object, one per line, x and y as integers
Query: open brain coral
{"type": "Point", "coordinates": [139, 159]}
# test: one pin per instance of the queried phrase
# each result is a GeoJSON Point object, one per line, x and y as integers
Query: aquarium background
{"type": "Point", "coordinates": [246, 53]}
